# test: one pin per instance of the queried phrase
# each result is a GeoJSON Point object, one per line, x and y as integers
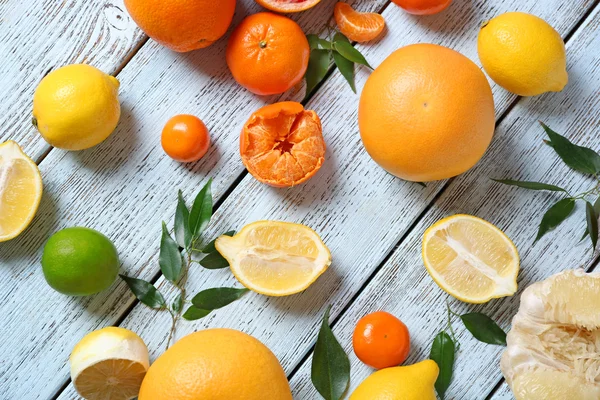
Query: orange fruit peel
{"type": "Point", "coordinates": [358, 26]}
{"type": "Point", "coordinates": [288, 6]}
{"type": "Point", "coordinates": [282, 144]}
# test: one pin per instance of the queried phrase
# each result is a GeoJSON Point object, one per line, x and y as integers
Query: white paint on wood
{"type": "Point", "coordinates": [37, 36]}
{"type": "Point", "coordinates": [404, 288]}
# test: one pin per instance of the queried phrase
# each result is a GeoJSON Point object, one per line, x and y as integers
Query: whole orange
{"type": "Point", "coordinates": [423, 7]}
{"type": "Point", "coordinates": [182, 25]}
{"type": "Point", "coordinates": [216, 364]}
{"type": "Point", "coordinates": [185, 138]}
{"type": "Point", "coordinates": [426, 113]}
{"type": "Point", "coordinates": [381, 340]}
{"type": "Point", "coordinates": [268, 53]}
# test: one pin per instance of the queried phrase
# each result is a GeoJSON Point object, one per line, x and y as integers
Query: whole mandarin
{"type": "Point", "coordinates": [185, 138]}
{"type": "Point", "coordinates": [381, 340]}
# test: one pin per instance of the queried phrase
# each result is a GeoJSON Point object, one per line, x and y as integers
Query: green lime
{"type": "Point", "coordinates": [80, 261]}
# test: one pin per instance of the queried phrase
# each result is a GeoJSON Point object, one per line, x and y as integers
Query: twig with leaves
{"type": "Point", "coordinates": [175, 258]}
{"type": "Point", "coordinates": [581, 159]}
{"type": "Point", "coordinates": [322, 51]}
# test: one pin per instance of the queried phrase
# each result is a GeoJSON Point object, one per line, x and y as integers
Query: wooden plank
{"type": "Point", "coordinates": [37, 36]}
{"type": "Point", "coordinates": [360, 211]}
{"type": "Point", "coordinates": [123, 187]}
{"type": "Point", "coordinates": [403, 286]}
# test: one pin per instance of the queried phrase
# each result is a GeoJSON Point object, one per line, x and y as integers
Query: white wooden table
{"type": "Point", "coordinates": [371, 221]}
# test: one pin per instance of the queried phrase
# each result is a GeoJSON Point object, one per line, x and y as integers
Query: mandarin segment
{"type": "Point", "coordinates": [282, 144]}
{"type": "Point", "coordinates": [357, 26]}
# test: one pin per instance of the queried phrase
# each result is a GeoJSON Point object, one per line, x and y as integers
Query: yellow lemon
{"type": "Point", "coordinates": [471, 259]}
{"type": "Point", "coordinates": [20, 190]}
{"type": "Point", "coordinates": [275, 258]}
{"type": "Point", "coordinates": [76, 107]}
{"type": "Point", "coordinates": [411, 382]}
{"type": "Point", "coordinates": [523, 54]}
{"type": "Point", "coordinates": [109, 364]}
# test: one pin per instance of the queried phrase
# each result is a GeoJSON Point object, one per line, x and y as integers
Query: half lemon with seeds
{"type": "Point", "coordinates": [109, 364]}
{"type": "Point", "coordinates": [275, 258]}
{"type": "Point", "coordinates": [471, 259]}
{"type": "Point", "coordinates": [20, 190]}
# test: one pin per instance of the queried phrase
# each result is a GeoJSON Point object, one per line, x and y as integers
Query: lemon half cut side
{"type": "Point", "coordinates": [471, 259]}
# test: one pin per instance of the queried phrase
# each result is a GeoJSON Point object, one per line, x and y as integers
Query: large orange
{"type": "Point", "coordinates": [182, 25]}
{"type": "Point", "coordinates": [268, 53]}
{"type": "Point", "coordinates": [282, 144]}
{"type": "Point", "coordinates": [426, 113]}
{"type": "Point", "coordinates": [288, 6]}
{"type": "Point", "coordinates": [216, 364]}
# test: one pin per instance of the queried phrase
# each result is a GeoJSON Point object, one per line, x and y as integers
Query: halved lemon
{"type": "Point", "coordinates": [471, 259]}
{"type": "Point", "coordinates": [109, 364]}
{"type": "Point", "coordinates": [20, 190]}
{"type": "Point", "coordinates": [275, 258]}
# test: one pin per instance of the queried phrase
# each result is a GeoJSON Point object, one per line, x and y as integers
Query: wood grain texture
{"type": "Point", "coordinates": [360, 211]}
{"type": "Point", "coordinates": [40, 35]}
{"type": "Point", "coordinates": [403, 286]}
{"type": "Point", "coordinates": [124, 188]}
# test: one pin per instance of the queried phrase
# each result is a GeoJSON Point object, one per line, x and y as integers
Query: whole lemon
{"type": "Point", "coordinates": [216, 364]}
{"type": "Point", "coordinates": [79, 261]}
{"type": "Point", "coordinates": [412, 382]}
{"type": "Point", "coordinates": [76, 107]}
{"type": "Point", "coordinates": [523, 54]}
{"type": "Point", "coordinates": [426, 113]}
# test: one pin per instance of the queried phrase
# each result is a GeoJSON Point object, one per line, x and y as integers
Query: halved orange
{"type": "Point", "coordinates": [282, 144]}
{"type": "Point", "coordinates": [358, 26]}
{"type": "Point", "coordinates": [288, 6]}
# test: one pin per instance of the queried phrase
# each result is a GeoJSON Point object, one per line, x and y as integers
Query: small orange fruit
{"type": "Point", "coordinates": [423, 7]}
{"type": "Point", "coordinates": [268, 53]}
{"type": "Point", "coordinates": [282, 144]}
{"type": "Point", "coordinates": [426, 113]}
{"type": "Point", "coordinates": [182, 25]}
{"type": "Point", "coordinates": [381, 340]}
{"type": "Point", "coordinates": [288, 6]}
{"type": "Point", "coordinates": [357, 26]}
{"type": "Point", "coordinates": [216, 364]}
{"type": "Point", "coordinates": [185, 138]}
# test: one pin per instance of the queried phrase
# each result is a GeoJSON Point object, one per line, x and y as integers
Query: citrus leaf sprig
{"type": "Point", "coordinates": [330, 369]}
{"type": "Point", "coordinates": [176, 257]}
{"type": "Point", "coordinates": [581, 159]}
{"type": "Point", "coordinates": [323, 51]}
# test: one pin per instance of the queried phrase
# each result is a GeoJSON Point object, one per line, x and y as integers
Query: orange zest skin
{"type": "Point", "coordinates": [288, 6]}
{"type": "Point", "coordinates": [381, 340]}
{"type": "Point", "coordinates": [423, 7]}
{"type": "Point", "coordinates": [268, 53]}
{"type": "Point", "coordinates": [357, 26]}
{"type": "Point", "coordinates": [282, 144]}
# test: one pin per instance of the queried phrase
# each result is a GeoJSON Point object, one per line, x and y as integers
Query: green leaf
{"type": "Point", "coordinates": [484, 329]}
{"type": "Point", "coordinates": [183, 236]}
{"type": "Point", "coordinates": [177, 303]}
{"type": "Point", "coordinates": [340, 37]}
{"type": "Point", "coordinates": [193, 313]}
{"type": "Point", "coordinates": [201, 211]}
{"type": "Point", "coordinates": [214, 261]}
{"type": "Point", "coordinates": [169, 258]}
{"type": "Point", "coordinates": [346, 68]}
{"type": "Point", "coordinates": [215, 298]}
{"type": "Point", "coordinates": [318, 65]}
{"type": "Point", "coordinates": [597, 210]}
{"type": "Point", "coordinates": [442, 352]}
{"type": "Point", "coordinates": [530, 185]}
{"type": "Point", "coordinates": [350, 53]}
{"type": "Point", "coordinates": [315, 42]}
{"type": "Point", "coordinates": [592, 223]}
{"type": "Point", "coordinates": [145, 292]}
{"type": "Point", "coordinates": [555, 216]}
{"type": "Point", "coordinates": [579, 158]}
{"type": "Point", "coordinates": [330, 371]}
{"type": "Point", "coordinates": [210, 248]}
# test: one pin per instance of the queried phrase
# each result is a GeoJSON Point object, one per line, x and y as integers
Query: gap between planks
{"type": "Point", "coordinates": [244, 173]}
